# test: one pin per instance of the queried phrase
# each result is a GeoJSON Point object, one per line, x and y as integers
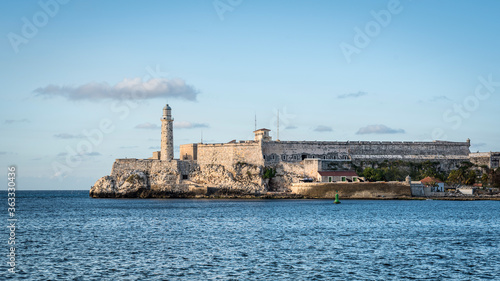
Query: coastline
{"type": "Point", "coordinates": [282, 196]}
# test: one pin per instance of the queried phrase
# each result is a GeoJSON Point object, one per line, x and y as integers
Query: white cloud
{"type": "Point", "coordinates": [12, 121]}
{"type": "Point", "coordinates": [322, 128]}
{"type": "Point", "coordinates": [379, 129]}
{"type": "Point", "coordinates": [127, 89]}
{"type": "Point", "coordinates": [440, 98]}
{"type": "Point", "coordinates": [352, 95]}
{"type": "Point", "coordinates": [147, 126]}
{"type": "Point", "coordinates": [189, 125]}
{"type": "Point", "coordinates": [68, 136]}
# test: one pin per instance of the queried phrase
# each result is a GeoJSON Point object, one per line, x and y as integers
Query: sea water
{"type": "Point", "coordinates": [65, 235]}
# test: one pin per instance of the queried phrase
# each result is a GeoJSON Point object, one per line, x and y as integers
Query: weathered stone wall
{"type": "Point", "coordinates": [449, 154]}
{"type": "Point", "coordinates": [229, 154]}
{"type": "Point", "coordinates": [286, 174]}
{"type": "Point", "coordinates": [298, 150]}
{"type": "Point", "coordinates": [353, 190]}
{"type": "Point", "coordinates": [295, 151]}
{"type": "Point", "coordinates": [434, 148]}
{"type": "Point", "coordinates": [146, 177]}
{"type": "Point", "coordinates": [489, 159]}
{"type": "Point", "coordinates": [189, 151]}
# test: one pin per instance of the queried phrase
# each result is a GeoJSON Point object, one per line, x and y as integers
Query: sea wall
{"type": "Point", "coordinates": [353, 190]}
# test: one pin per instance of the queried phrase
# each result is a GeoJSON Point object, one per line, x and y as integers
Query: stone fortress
{"type": "Point", "coordinates": [240, 166]}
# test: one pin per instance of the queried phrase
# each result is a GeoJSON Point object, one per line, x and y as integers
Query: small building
{"type": "Point", "coordinates": [337, 176]}
{"type": "Point", "coordinates": [467, 190]}
{"type": "Point", "coordinates": [434, 184]}
{"type": "Point", "coordinates": [262, 135]}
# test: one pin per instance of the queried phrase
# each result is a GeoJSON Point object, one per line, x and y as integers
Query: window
{"type": "Point", "coordinates": [343, 179]}
{"type": "Point", "coordinates": [329, 179]}
{"type": "Point", "coordinates": [354, 178]}
{"type": "Point", "coordinates": [283, 157]}
{"type": "Point", "coordinates": [184, 177]}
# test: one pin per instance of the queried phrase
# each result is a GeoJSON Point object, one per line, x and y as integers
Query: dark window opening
{"type": "Point", "coordinates": [184, 177]}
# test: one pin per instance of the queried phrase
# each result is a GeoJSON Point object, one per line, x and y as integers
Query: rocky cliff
{"type": "Point", "coordinates": [164, 179]}
{"type": "Point", "coordinates": [148, 178]}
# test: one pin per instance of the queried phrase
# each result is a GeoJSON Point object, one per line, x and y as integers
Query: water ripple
{"type": "Point", "coordinates": [68, 236]}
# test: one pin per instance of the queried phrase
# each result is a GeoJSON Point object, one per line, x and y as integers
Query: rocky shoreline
{"type": "Point", "coordinates": [143, 178]}
{"type": "Point", "coordinates": [148, 194]}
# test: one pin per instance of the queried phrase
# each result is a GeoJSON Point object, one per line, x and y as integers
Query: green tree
{"type": "Point", "coordinates": [269, 173]}
{"type": "Point", "coordinates": [456, 177]}
{"type": "Point", "coordinates": [495, 177]}
{"type": "Point", "coordinates": [470, 178]}
{"type": "Point", "coordinates": [484, 179]}
{"type": "Point", "coordinates": [372, 174]}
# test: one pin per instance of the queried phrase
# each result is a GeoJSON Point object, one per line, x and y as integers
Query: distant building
{"type": "Point", "coordinates": [262, 135]}
{"type": "Point", "coordinates": [337, 176]}
{"type": "Point", "coordinates": [488, 159]}
{"type": "Point", "coordinates": [434, 184]}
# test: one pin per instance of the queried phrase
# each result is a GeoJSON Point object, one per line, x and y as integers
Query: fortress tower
{"type": "Point", "coordinates": [167, 134]}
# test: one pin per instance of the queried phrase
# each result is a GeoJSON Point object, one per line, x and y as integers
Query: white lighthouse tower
{"type": "Point", "coordinates": [167, 134]}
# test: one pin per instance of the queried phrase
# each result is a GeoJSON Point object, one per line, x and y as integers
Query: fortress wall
{"type": "Point", "coordinates": [436, 148]}
{"type": "Point", "coordinates": [188, 151]}
{"type": "Point", "coordinates": [150, 166]}
{"type": "Point", "coordinates": [294, 151]}
{"type": "Point", "coordinates": [229, 154]}
{"type": "Point", "coordinates": [291, 151]}
{"type": "Point", "coordinates": [490, 159]}
{"type": "Point", "coordinates": [352, 190]}
{"type": "Point", "coordinates": [446, 163]}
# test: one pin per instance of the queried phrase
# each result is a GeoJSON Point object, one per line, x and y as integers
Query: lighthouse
{"type": "Point", "coordinates": [167, 134]}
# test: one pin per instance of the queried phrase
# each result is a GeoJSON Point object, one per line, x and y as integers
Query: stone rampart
{"type": "Point", "coordinates": [489, 159]}
{"type": "Point", "coordinates": [229, 154]}
{"type": "Point", "coordinates": [449, 154]}
{"type": "Point", "coordinates": [353, 190]}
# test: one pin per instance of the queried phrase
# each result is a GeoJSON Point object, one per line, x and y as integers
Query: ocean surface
{"type": "Point", "coordinates": [65, 235]}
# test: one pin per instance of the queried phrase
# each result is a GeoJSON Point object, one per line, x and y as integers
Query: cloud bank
{"type": "Point", "coordinates": [322, 128]}
{"type": "Point", "coordinates": [147, 126]}
{"type": "Point", "coordinates": [379, 129]}
{"type": "Point", "coordinates": [127, 89]}
{"type": "Point", "coordinates": [352, 95]}
{"type": "Point", "coordinates": [189, 125]}
{"type": "Point", "coordinates": [12, 121]}
{"type": "Point", "coordinates": [69, 136]}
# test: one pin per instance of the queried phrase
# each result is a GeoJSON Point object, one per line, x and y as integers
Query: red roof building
{"type": "Point", "coordinates": [429, 181]}
{"type": "Point", "coordinates": [432, 182]}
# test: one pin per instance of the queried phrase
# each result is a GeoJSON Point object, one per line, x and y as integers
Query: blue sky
{"type": "Point", "coordinates": [336, 70]}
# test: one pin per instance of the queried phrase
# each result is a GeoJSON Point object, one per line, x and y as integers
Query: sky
{"type": "Point", "coordinates": [84, 82]}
